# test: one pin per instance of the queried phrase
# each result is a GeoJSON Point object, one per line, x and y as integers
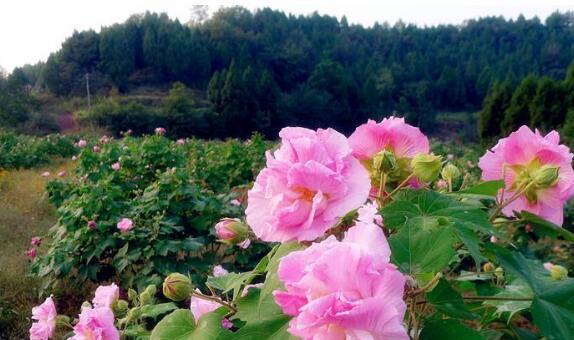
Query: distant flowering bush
{"type": "Point", "coordinates": [365, 247]}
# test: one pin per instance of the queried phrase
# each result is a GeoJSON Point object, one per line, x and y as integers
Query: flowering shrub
{"type": "Point", "coordinates": [415, 259]}
{"type": "Point", "coordinates": [20, 151]}
{"type": "Point", "coordinates": [140, 220]}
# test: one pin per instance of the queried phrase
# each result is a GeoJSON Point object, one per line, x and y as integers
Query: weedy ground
{"type": "Point", "coordinates": [24, 212]}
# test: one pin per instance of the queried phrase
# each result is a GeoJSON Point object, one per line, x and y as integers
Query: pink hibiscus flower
{"type": "Point", "coordinates": [309, 183]}
{"type": "Point", "coordinates": [518, 158]}
{"type": "Point", "coordinates": [97, 324]}
{"type": "Point", "coordinates": [358, 296]}
{"type": "Point", "coordinates": [44, 317]}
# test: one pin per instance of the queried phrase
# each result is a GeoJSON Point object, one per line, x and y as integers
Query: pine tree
{"type": "Point", "coordinates": [495, 103]}
{"type": "Point", "coordinates": [518, 113]}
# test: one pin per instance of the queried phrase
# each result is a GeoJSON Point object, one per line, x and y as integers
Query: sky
{"type": "Point", "coordinates": [32, 29]}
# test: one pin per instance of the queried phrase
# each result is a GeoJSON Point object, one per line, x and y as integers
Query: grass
{"type": "Point", "coordinates": [24, 212]}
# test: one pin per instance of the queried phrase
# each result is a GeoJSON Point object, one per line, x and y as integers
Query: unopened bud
{"type": "Point", "coordinates": [177, 287]}
{"type": "Point", "coordinates": [231, 231]}
{"type": "Point", "coordinates": [426, 167]}
{"type": "Point", "coordinates": [450, 172]}
{"type": "Point", "coordinates": [120, 308]}
{"type": "Point", "coordinates": [132, 295]}
{"type": "Point", "coordinates": [557, 272]}
{"type": "Point", "coordinates": [488, 267]}
{"type": "Point", "coordinates": [499, 273]}
{"type": "Point", "coordinates": [145, 298]}
{"type": "Point", "coordinates": [384, 161]}
{"type": "Point", "coordinates": [546, 176]}
{"type": "Point", "coordinates": [151, 290]}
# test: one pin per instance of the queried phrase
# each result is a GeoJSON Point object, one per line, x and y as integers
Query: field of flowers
{"type": "Point", "coordinates": [378, 235]}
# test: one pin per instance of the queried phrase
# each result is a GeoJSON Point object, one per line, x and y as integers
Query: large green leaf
{"type": "Point", "coordinates": [153, 311]}
{"type": "Point", "coordinates": [448, 301]}
{"type": "Point", "coordinates": [180, 325]}
{"type": "Point", "coordinates": [274, 328]}
{"type": "Point", "coordinates": [543, 227]}
{"type": "Point", "coordinates": [448, 329]}
{"type": "Point", "coordinates": [417, 251]}
{"type": "Point", "coordinates": [432, 211]}
{"type": "Point", "coordinates": [230, 282]}
{"type": "Point", "coordinates": [517, 289]}
{"type": "Point", "coordinates": [553, 311]}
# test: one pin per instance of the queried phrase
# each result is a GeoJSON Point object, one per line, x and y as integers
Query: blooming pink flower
{"type": "Point", "coordinates": [82, 143]}
{"type": "Point", "coordinates": [44, 317]}
{"type": "Point", "coordinates": [46, 174]}
{"type": "Point", "coordinates": [201, 306]}
{"type": "Point", "coordinates": [235, 202]}
{"type": "Point", "coordinates": [31, 253]}
{"type": "Point", "coordinates": [35, 241]}
{"type": "Point", "coordinates": [369, 213]}
{"type": "Point", "coordinates": [96, 324]}
{"type": "Point", "coordinates": [61, 173]}
{"type": "Point", "coordinates": [522, 154]}
{"type": "Point", "coordinates": [181, 141]}
{"type": "Point", "coordinates": [104, 139]}
{"type": "Point", "coordinates": [219, 271]}
{"type": "Point", "coordinates": [105, 296]}
{"type": "Point", "coordinates": [392, 134]}
{"type": "Point", "coordinates": [96, 148]}
{"type": "Point", "coordinates": [357, 296]}
{"type": "Point", "coordinates": [548, 265]}
{"type": "Point", "coordinates": [309, 183]}
{"type": "Point", "coordinates": [160, 131]}
{"type": "Point", "coordinates": [116, 166]}
{"type": "Point", "coordinates": [125, 224]}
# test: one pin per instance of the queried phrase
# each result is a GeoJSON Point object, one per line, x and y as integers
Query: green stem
{"type": "Point", "coordinates": [216, 299]}
{"type": "Point", "coordinates": [403, 183]}
{"type": "Point", "coordinates": [512, 199]}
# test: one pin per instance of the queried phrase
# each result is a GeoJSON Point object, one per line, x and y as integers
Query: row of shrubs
{"type": "Point", "coordinates": [173, 192]}
{"type": "Point", "coordinates": [23, 151]}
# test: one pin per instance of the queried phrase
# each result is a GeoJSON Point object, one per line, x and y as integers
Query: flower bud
{"type": "Point", "coordinates": [546, 176]}
{"type": "Point", "coordinates": [145, 298]}
{"type": "Point", "coordinates": [384, 161]}
{"type": "Point", "coordinates": [120, 308]}
{"type": "Point", "coordinates": [557, 272]}
{"type": "Point", "coordinates": [177, 287]}
{"type": "Point", "coordinates": [151, 290]}
{"type": "Point", "coordinates": [488, 267]}
{"type": "Point", "coordinates": [426, 167]}
{"type": "Point", "coordinates": [450, 172]}
{"type": "Point", "coordinates": [92, 225]}
{"type": "Point", "coordinates": [231, 231]}
{"type": "Point", "coordinates": [499, 273]}
{"type": "Point", "coordinates": [132, 295]}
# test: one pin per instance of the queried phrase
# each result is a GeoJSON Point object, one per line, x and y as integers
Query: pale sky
{"type": "Point", "coordinates": [31, 29]}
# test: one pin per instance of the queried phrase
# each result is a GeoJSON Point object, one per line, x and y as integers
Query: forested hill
{"type": "Point", "coordinates": [266, 68]}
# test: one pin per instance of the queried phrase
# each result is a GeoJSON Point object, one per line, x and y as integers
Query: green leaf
{"type": "Point", "coordinates": [153, 311]}
{"type": "Point", "coordinates": [488, 188]}
{"type": "Point", "coordinates": [432, 211]}
{"type": "Point", "coordinates": [180, 325]}
{"type": "Point", "coordinates": [230, 282]}
{"type": "Point", "coordinates": [418, 251]}
{"type": "Point", "coordinates": [448, 329]}
{"type": "Point", "coordinates": [448, 301]}
{"type": "Point", "coordinates": [270, 329]}
{"type": "Point", "coordinates": [250, 309]}
{"type": "Point", "coordinates": [553, 311]}
{"type": "Point", "coordinates": [517, 289]}
{"type": "Point", "coordinates": [543, 227]}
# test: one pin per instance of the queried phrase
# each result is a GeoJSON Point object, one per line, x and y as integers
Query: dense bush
{"type": "Point", "coordinates": [172, 193]}
{"type": "Point", "coordinates": [21, 151]}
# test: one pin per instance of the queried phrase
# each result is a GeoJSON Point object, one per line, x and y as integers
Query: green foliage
{"type": "Point", "coordinates": [173, 209]}
{"type": "Point", "coordinates": [20, 151]}
{"type": "Point", "coordinates": [495, 104]}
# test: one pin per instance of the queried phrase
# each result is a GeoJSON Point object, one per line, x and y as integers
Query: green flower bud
{"type": "Point", "coordinates": [145, 298]}
{"type": "Point", "coordinates": [151, 290]}
{"type": "Point", "coordinates": [86, 304]}
{"type": "Point", "coordinates": [488, 267]}
{"type": "Point", "coordinates": [546, 176]}
{"type": "Point", "coordinates": [63, 320]}
{"type": "Point", "coordinates": [132, 295]}
{"type": "Point", "coordinates": [557, 272]}
{"type": "Point", "coordinates": [384, 162]}
{"type": "Point", "coordinates": [450, 172]}
{"type": "Point", "coordinates": [499, 273]}
{"type": "Point", "coordinates": [426, 167]}
{"type": "Point", "coordinates": [120, 308]}
{"type": "Point", "coordinates": [177, 287]}
{"type": "Point", "coordinates": [231, 231]}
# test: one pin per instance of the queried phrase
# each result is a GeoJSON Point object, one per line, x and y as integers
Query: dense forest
{"type": "Point", "coordinates": [265, 69]}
